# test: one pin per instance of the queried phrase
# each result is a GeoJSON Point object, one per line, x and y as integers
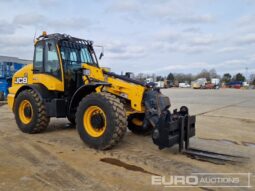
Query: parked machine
{"type": "Point", "coordinates": [209, 86]}
{"type": "Point", "coordinates": [65, 80]}
{"type": "Point", "coordinates": [199, 83]}
{"type": "Point", "coordinates": [216, 82]}
{"type": "Point", "coordinates": [150, 82]}
{"type": "Point", "coordinates": [168, 83]}
{"type": "Point", "coordinates": [160, 84]}
{"type": "Point", "coordinates": [184, 85]}
{"type": "Point", "coordinates": [234, 84]}
{"type": "Point", "coordinates": [7, 69]}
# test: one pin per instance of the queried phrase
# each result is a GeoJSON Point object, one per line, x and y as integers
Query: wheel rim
{"type": "Point", "coordinates": [137, 122]}
{"type": "Point", "coordinates": [25, 112]}
{"type": "Point", "coordinates": [94, 121]}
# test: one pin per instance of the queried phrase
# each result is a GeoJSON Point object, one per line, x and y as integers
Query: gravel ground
{"type": "Point", "coordinates": [58, 160]}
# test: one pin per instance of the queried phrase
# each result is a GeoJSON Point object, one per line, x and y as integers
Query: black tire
{"type": "Point", "coordinates": [138, 129]}
{"type": "Point", "coordinates": [1, 96]}
{"type": "Point", "coordinates": [39, 120]}
{"type": "Point", "coordinates": [115, 125]}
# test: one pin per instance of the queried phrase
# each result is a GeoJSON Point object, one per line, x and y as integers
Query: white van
{"type": "Point", "coordinates": [184, 85]}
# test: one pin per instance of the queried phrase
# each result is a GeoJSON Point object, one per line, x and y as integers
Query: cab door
{"type": "Point", "coordinates": [47, 67]}
{"type": "Point", "coordinates": [71, 58]}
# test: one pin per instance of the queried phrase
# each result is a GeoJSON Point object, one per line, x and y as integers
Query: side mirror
{"type": "Point", "coordinates": [101, 55]}
{"type": "Point", "coordinates": [102, 51]}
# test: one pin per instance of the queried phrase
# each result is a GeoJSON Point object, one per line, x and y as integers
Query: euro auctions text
{"type": "Point", "coordinates": [203, 180]}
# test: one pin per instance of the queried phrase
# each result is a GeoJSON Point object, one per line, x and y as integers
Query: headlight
{"type": "Point", "coordinates": [86, 72]}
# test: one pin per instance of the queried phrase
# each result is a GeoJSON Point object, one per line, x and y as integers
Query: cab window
{"type": "Point", "coordinates": [74, 54]}
{"type": "Point", "coordinates": [51, 65]}
{"type": "Point", "coordinates": [86, 56]}
{"type": "Point", "coordinates": [38, 58]}
{"type": "Point", "coordinates": [70, 58]}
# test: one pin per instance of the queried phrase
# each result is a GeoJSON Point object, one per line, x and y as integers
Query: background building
{"type": "Point", "coordinates": [8, 66]}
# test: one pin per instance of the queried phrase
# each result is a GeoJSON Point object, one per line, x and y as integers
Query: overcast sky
{"type": "Point", "coordinates": [154, 36]}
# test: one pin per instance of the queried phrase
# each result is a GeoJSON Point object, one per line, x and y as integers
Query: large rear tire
{"type": "Point", "coordinates": [135, 124]}
{"type": "Point", "coordinates": [30, 112]}
{"type": "Point", "coordinates": [101, 120]}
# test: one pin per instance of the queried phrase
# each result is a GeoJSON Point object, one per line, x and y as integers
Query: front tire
{"type": "Point", "coordinates": [135, 124]}
{"type": "Point", "coordinates": [101, 120]}
{"type": "Point", "coordinates": [30, 112]}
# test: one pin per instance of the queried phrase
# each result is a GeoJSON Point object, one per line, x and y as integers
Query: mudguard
{"type": "Point", "coordinates": [81, 93]}
{"type": "Point", "coordinates": [40, 89]}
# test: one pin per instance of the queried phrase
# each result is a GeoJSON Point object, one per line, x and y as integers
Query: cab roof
{"type": "Point", "coordinates": [64, 37]}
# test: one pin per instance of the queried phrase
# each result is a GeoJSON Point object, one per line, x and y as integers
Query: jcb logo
{"type": "Point", "coordinates": [21, 80]}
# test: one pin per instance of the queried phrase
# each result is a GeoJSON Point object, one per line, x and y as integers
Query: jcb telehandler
{"type": "Point", "coordinates": [65, 80]}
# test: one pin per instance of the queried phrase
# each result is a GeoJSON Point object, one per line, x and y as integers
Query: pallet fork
{"type": "Point", "coordinates": [178, 128]}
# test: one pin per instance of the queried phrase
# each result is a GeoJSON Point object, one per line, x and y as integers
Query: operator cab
{"type": "Point", "coordinates": [61, 56]}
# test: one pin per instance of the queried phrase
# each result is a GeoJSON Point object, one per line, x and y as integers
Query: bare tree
{"type": "Point", "coordinates": [213, 74]}
{"type": "Point", "coordinates": [204, 74]}
{"type": "Point", "coordinates": [180, 77]}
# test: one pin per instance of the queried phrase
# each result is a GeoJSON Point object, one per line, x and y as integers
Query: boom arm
{"type": "Point", "coordinates": [129, 91]}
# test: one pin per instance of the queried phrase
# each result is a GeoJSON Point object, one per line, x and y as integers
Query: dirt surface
{"type": "Point", "coordinates": [3, 103]}
{"type": "Point", "coordinates": [58, 160]}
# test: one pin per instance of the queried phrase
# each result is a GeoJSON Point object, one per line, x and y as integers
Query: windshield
{"type": "Point", "coordinates": [75, 54]}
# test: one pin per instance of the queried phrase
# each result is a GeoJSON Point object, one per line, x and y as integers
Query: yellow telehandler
{"type": "Point", "coordinates": [65, 80]}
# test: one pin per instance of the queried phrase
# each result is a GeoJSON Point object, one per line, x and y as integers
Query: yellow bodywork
{"type": "Point", "coordinates": [50, 82]}
{"type": "Point", "coordinates": [129, 91]}
{"type": "Point", "coordinates": [25, 72]}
